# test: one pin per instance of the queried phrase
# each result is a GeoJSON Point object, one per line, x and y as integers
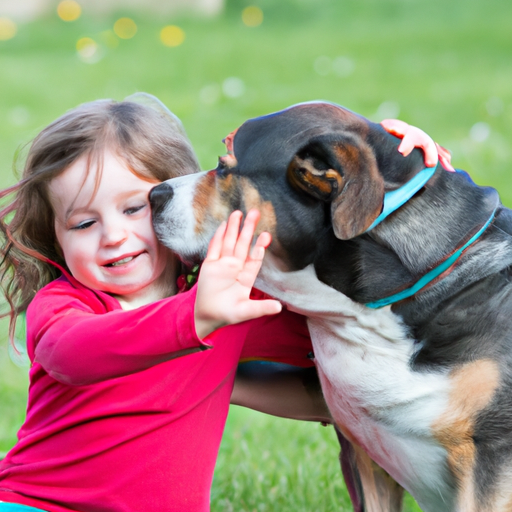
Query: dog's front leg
{"type": "Point", "coordinates": [350, 472]}
{"type": "Point", "coordinates": [373, 490]}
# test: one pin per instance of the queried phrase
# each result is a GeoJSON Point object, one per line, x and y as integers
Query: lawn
{"type": "Point", "coordinates": [443, 66]}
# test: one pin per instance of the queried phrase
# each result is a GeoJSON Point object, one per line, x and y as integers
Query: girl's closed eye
{"type": "Point", "coordinates": [134, 209]}
{"type": "Point", "coordinates": [83, 225]}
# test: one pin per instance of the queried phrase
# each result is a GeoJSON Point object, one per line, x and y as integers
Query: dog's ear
{"type": "Point", "coordinates": [341, 169]}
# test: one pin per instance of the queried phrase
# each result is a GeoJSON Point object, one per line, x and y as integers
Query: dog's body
{"type": "Point", "coordinates": [424, 386]}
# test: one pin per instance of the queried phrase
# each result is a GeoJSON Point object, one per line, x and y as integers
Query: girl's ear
{"type": "Point", "coordinates": [341, 169]}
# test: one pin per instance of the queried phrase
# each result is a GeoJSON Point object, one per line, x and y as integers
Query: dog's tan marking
{"type": "Point", "coordinates": [322, 184]}
{"type": "Point", "coordinates": [473, 387]}
{"type": "Point", "coordinates": [381, 492]}
{"type": "Point", "coordinates": [268, 220]}
{"type": "Point", "coordinates": [201, 200]}
{"type": "Point", "coordinates": [350, 155]}
{"type": "Point", "coordinates": [252, 199]}
{"type": "Point", "coordinates": [208, 200]}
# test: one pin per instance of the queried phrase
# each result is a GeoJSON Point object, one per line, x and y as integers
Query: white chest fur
{"type": "Point", "coordinates": [363, 357]}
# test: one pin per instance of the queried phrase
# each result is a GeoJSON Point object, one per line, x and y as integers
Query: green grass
{"type": "Point", "coordinates": [443, 66]}
{"type": "Point", "coordinates": [269, 464]}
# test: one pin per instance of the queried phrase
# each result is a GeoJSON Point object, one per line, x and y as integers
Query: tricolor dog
{"type": "Point", "coordinates": [404, 273]}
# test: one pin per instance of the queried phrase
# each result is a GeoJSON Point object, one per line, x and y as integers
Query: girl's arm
{"type": "Point", "coordinates": [78, 341]}
{"type": "Point", "coordinates": [281, 390]}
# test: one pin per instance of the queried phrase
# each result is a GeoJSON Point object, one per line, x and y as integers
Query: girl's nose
{"type": "Point", "coordinates": [114, 234]}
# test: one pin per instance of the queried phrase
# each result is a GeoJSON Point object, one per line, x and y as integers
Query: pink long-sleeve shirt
{"type": "Point", "coordinates": [126, 408]}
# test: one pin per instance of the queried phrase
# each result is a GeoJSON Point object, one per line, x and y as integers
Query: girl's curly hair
{"type": "Point", "coordinates": [140, 129]}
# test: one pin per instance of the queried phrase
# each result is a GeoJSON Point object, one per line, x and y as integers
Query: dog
{"type": "Point", "coordinates": [404, 273]}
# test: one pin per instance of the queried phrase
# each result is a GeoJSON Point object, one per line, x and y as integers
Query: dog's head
{"type": "Point", "coordinates": [311, 168]}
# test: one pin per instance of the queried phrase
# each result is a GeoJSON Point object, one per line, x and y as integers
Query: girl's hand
{"type": "Point", "coordinates": [413, 137]}
{"type": "Point", "coordinates": [227, 276]}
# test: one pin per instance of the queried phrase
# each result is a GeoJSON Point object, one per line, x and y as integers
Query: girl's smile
{"type": "Point", "coordinates": [103, 226]}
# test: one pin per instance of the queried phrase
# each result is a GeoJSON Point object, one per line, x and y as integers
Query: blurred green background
{"type": "Point", "coordinates": [444, 66]}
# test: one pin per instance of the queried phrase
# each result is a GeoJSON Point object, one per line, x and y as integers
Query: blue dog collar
{"type": "Point", "coordinates": [396, 198]}
{"type": "Point", "coordinates": [431, 275]}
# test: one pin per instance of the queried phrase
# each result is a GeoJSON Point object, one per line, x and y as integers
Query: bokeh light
{"type": "Point", "coordinates": [233, 87]}
{"type": "Point", "coordinates": [343, 66]}
{"type": "Point", "coordinates": [252, 16]}
{"type": "Point", "coordinates": [125, 28]}
{"type": "Point", "coordinates": [480, 132]}
{"type": "Point", "coordinates": [88, 50]}
{"type": "Point", "coordinates": [69, 10]}
{"type": "Point", "coordinates": [8, 29]}
{"type": "Point", "coordinates": [172, 35]}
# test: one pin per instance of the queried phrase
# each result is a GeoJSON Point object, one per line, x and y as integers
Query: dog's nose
{"type": "Point", "coordinates": [159, 196]}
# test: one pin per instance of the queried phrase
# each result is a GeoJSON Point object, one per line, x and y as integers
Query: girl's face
{"type": "Point", "coordinates": [105, 232]}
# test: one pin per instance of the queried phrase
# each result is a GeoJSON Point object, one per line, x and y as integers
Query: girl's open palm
{"type": "Point", "coordinates": [227, 276]}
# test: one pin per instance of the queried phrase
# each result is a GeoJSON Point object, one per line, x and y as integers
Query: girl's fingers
{"type": "Point", "coordinates": [416, 138]}
{"type": "Point", "coordinates": [267, 307]}
{"type": "Point", "coordinates": [215, 246]}
{"type": "Point", "coordinates": [228, 240]}
{"type": "Point", "coordinates": [445, 158]}
{"type": "Point", "coordinates": [246, 235]}
{"type": "Point", "coordinates": [402, 130]}
{"type": "Point", "coordinates": [258, 251]}
{"type": "Point", "coordinates": [257, 308]}
{"type": "Point", "coordinates": [231, 236]}
{"type": "Point", "coordinates": [395, 127]}
{"type": "Point", "coordinates": [253, 261]}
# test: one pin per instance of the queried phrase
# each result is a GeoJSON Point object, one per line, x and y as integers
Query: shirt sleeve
{"type": "Point", "coordinates": [78, 341]}
{"type": "Point", "coordinates": [282, 338]}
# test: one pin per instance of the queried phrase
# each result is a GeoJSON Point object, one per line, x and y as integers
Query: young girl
{"type": "Point", "coordinates": [130, 381]}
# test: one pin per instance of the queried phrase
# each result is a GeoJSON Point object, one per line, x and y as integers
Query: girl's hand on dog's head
{"type": "Point", "coordinates": [227, 276]}
{"type": "Point", "coordinates": [413, 137]}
